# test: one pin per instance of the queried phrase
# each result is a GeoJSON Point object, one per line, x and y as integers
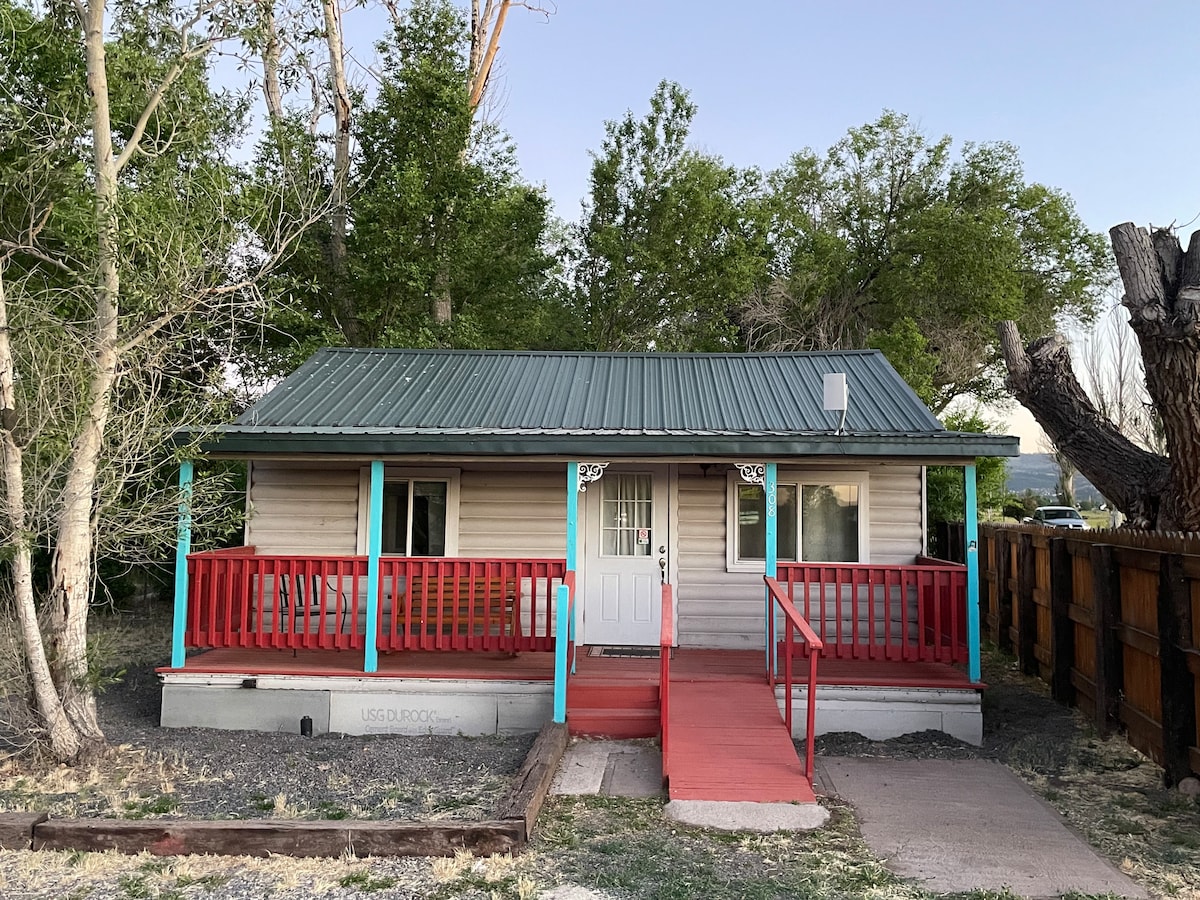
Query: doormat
{"type": "Point", "coordinates": [625, 652]}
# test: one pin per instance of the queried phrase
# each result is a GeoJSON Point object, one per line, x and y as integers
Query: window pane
{"type": "Point", "coordinates": [752, 522]}
{"type": "Point", "coordinates": [395, 517]}
{"type": "Point", "coordinates": [429, 518]}
{"type": "Point", "coordinates": [786, 524]}
{"type": "Point", "coordinates": [830, 522]}
{"type": "Point", "coordinates": [626, 514]}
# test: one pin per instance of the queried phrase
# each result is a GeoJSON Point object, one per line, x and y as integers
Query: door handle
{"type": "Point", "coordinates": [662, 569]}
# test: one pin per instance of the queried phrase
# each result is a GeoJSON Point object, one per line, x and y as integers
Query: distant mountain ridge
{"type": "Point", "coordinates": [1038, 472]}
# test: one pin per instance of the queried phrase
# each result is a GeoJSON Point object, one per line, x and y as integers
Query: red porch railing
{"type": "Point", "coordinates": [441, 603]}
{"type": "Point", "coordinates": [794, 623]}
{"type": "Point", "coordinates": [666, 640]}
{"type": "Point", "coordinates": [864, 611]}
{"type": "Point", "coordinates": [238, 598]}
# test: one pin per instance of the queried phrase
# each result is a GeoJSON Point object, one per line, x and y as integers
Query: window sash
{"type": "Point", "coordinates": [824, 526]}
{"type": "Point", "coordinates": [415, 516]}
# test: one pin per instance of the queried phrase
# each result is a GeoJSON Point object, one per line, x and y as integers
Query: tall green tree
{"type": "Point", "coordinates": [446, 245]}
{"type": "Point", "coordinates": [123, 241]}
{"type": "Point", "coordinates": [664, 256]}
{"type": "Point", "coordinates": [890, 240]}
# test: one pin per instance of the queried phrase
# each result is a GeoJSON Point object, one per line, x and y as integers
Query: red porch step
{"type": "Point", "coordinates": [613, 708]}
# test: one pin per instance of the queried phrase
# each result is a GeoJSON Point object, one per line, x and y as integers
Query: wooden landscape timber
{"type": "Point", "coordinates": [268, 837]}
{"type": "Point", "coordinates": [1111, 621]}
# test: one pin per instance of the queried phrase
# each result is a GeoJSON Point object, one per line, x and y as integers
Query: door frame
{"type": "Point", "coordinates": [671, 472]}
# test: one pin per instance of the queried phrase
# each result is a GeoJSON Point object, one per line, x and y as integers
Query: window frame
{"type": "Point", "coordinates": [799, 478]}
{"type": "Point", "coordinates": [396, 474]}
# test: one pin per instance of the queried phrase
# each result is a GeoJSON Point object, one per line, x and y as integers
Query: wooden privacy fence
{"type": "Point", "coordinates": [1111, 620]}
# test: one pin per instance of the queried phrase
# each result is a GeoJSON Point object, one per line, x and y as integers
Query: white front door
{"type": "Point", "coordinates": [626, 551]}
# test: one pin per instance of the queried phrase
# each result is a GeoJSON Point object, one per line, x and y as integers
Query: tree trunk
{"type": "Point", "coordinates": [343, 302]}
{"type": "Point", "coordinates": [1042, 378]}
{"type": "Point", "coordinates": [485, 42]}
{"type": "Point", "coordinates": [1162, 294]}
{"type": "Point", "coordinates": [272, 93]}
{"type": "Point", "coordinates": [71, 575]}
{"type": "Point", "coordinates": [65, 740]}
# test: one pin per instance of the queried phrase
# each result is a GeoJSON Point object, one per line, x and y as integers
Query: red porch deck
{"type": "Point", "coordinates": [687, 664]}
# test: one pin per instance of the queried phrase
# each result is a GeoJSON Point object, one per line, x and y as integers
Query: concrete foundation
{"type": "Point", "coordinates": [882, 713]}
{"type": "Point", "coordinates": [355, 705]}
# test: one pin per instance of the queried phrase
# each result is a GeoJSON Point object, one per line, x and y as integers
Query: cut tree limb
{"type": "Point", "coordinates": [1162, 294]}
{"type": "Point", "coordinates": [1041, 377]}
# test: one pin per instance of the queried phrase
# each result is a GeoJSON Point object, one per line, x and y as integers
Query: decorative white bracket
{"type": "Point", "coordinates": [756, 473]}
{"type": "Point", "coordinates": [589, 472]}
{"type": "Point", "coordinates": [752, 473]}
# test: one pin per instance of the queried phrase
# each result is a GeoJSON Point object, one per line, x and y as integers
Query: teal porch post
{"type": "Point", "coordinates": [770, 493]}
{"type": "Point", "coordinates": [572, 514]}
{"type": "Point", "coordinates": [972, 541]}
{"type": "Point", "coordinates": [183, 548]}
{"type": "Point", "coordinates": [565, 624]}
{"type": "Point", "coordinates": [374, 550]}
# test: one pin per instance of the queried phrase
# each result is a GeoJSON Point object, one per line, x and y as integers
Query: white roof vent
{"type": "Point", "coordinates": [837, 396]}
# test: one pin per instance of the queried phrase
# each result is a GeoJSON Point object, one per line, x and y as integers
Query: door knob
{"type": "Point", "coordinates": [662, 569]}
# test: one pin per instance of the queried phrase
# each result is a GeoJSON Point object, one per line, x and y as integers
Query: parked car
{"type": "Point", "coordinates": [1057, 517]}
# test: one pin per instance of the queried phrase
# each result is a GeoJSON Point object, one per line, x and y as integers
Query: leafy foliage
{"type": "Point", "coordinates": [437, 212]}
{"type": "Point", "coordinates": [944, 491]}
{"type": "Point", "coordinates": [663, 256]}
{"type": "Point", "coordinates": [889, 241]}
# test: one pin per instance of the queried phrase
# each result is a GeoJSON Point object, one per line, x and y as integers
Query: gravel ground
{"type": "Point", "coordinates": [205, 773]}
{"type": "Point", "coordinates": [1022, 728]}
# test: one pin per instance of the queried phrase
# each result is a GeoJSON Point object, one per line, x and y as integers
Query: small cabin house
{"type": "Point", "coordinates": [462, 541]}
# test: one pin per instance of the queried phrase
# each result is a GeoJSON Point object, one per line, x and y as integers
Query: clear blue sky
{"type": "Point", "coordinates": [1101, 97]}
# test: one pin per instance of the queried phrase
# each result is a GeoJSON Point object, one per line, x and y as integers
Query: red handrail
{"type": "Point", "coordinates": [793, 620]}
{"type": "Point", "coordinates": [569, 581]}
{"type": "Point", "coordinates": [666, 640]}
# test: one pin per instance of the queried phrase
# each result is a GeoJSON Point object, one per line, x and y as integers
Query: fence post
{"type": "Point", "coordinates": [941, 536]}
{"type": "Point", "coordinates": [1062, 629]}
{"type": "Point", "coordinates": [1026, 609]}
{"type": "Point", "coordinates": [1178, 684]}
{"type": "Point", "coordinates": [1004, 599]}
{"type": "Point", "coordinates": [1109, 678]}
{"type": "Point", "coordinates": [986, 536]}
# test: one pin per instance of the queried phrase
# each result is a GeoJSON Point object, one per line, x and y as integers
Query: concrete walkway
{"type": "Point", "coordinates": [961, 825]}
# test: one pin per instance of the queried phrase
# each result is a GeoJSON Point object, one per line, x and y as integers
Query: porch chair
{"type": "Point", "coordinates": [300, 594]}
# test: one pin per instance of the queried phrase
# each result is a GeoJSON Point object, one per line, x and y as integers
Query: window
{"type": "Point", "coordinates": [626, 514]}
{"type": "Point", "coordinates": [420, 512]}
{"type": "Point", "coordinates": [818, 520]}
{"type": "Point", "coordinates": [414, 517]}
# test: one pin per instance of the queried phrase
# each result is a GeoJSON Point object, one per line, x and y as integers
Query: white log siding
{"type": "Point", "coordinates": [513, 512]}
{"type": "Point", "coordinates": [723, 609]}
{"type": "Point", "coordinates": [303, 509]}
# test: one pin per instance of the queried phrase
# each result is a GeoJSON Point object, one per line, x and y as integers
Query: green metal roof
{"type": "Point", "coordinates": [457, 402]}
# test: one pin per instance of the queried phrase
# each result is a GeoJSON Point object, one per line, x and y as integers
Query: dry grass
{"type": "Point", "coordinates": [124, 781]}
